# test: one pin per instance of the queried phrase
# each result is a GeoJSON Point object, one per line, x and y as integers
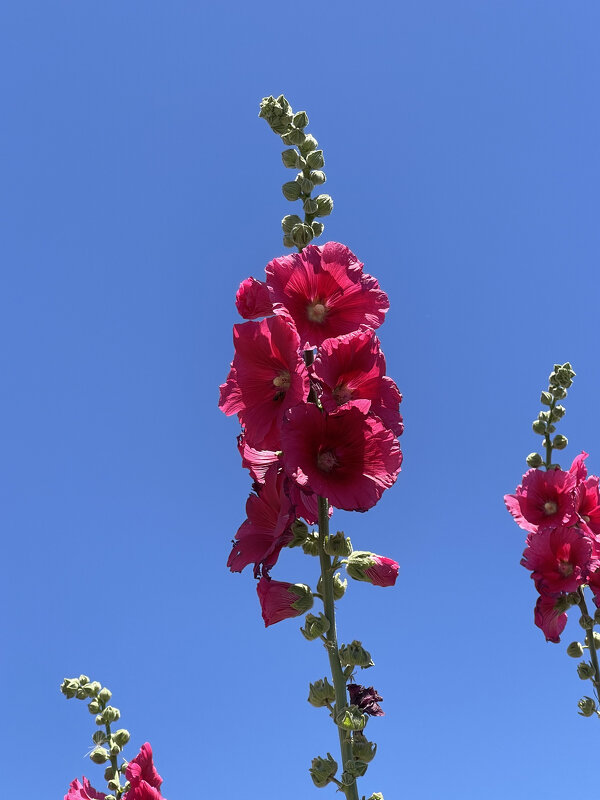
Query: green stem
{"type": "Point", "coordinates": [589, 640]}
{"type": "Point", "coordinates": [114, 763]}
{"type": "Point", "coordinates": [339, 682]}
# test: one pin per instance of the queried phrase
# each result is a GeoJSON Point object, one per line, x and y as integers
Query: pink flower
{"type": "Point", "coordinates": [560, 559]}
{"type": "Point", "coordinates": [257, 461]}
{"type": "Point", "coordinates": [378, 570]}
{"type": "Point", "coordinates": [267, 377]}
{"type": "Point", "coordinates": [351, 370]}
{"type": "Point", "coordinates": [143, 777]}
{"type": "Point", "coordinates": [347, 457]}
{"type": "Point", "coordinates": [544, 499]}
{"type": "Point", "coordinates": [83, 791]}
{"type": "Point", "coordinates": [280, 600]}
{"type": "Point", "coordinates": [578, 468]}
{"type": "Point", "coordinates": [549, 619]}
{"type": "Point", "coordinates": [252, 299]}
{"type": "Point", "coordinates": [268, 527]}
{"type": "Point", "coordinates": [325, 292]}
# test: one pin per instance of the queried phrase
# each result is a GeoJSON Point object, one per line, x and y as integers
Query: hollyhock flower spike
{"type": "Point", "coordinates": [83, 791]}
{"type": "Point", "coordinates": [267, 377]}
{"type": "Point", "coordinates": [253, 300]}
{"type": "Point", "coordinates": [347, 457]}
{"type": "Point", "coordinates": [325, 292]}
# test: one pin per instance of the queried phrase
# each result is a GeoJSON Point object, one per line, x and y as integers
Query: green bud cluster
{"type": "Point", "coordinates": [301, 154]}
{"type": "Point", "coordinates": [338, 545]}
{"type": "Point", "coordinates": [560, 379]}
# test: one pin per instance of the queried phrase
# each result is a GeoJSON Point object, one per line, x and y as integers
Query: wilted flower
{"type": "Point", "coordinates": [366, 699]}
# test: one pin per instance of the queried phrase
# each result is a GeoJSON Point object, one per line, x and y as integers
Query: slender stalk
{"type": "Point", "coordinates": [331, 645]}
{"type": "Point", "coordinates": [589, 640]}
{"type": "Point", "coordinates": [114, 763]}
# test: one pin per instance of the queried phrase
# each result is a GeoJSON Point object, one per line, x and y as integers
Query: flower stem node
{"type": "Point", "coordinates": [311, 545]}
{"type": "Point", "coordinates": [288, 222]}
{"type": "Point", "coordinates": [534, 460]}
{"type": "Point", "coordinates": [587, 707]}
{"type": "Point", "coordinates": [585, 670]}
{"type": "Point", "coordinates": [560, 442]}
{"type": "Point", "coordinates": [362, 748]}
{"type": "Point", "coordinates": [321, 693]}
{"type": "Point", "coordinates": [277, 113]}
{"type": "Point", "coordinates": [315, 626]}
{"type": "Point", "coordinates": [586, 622]}
{"type": "Point", "coordinates": [99, 755]}
{"type": "Point", "coordinates": [351, 718]}
{"type": "Point", "coordinates": [324, 205]}
{"type": "Point", "coordinates": [302, 235]}
{"type": "Point", "coordinates": [354, 655]}
{"type": "Point", "coordinates": [322, 770]}
{"type": "Point", "coordinates": [575, 650]}
{"type": "Point", "coordinates": [338, 545]}
{"type": "Point", "coordinates": [291, 190]}
{"type": "Point", "coordinates": [339, 586]}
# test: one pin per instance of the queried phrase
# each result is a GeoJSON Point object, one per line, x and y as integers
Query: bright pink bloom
{"type": "Point", "coordinates": [305, 503]}
{"type": "Point", "coordinates": [588, 504]}
{"type": "Point", "coordinates": [560, 559]}
{"type": "Point", "coordinates": [83, 791]}
{"type": "Point", "coordinates": [351, 370]}
{"type": "Point", "coordinates": [325, 292]}
{"type": "Point", "coordinates": [545, 499]}
{"type": "Point", "coordinates": [594, 584]}
{"type": "Point", "coordinates": [578, 468]}
{"type": "Point", "coordinates": [267, 377]}
{"type": "Point", "coordinates": [268, 527]}
{"type": "Point", "coordinates": [280, 600]}
{"type": "Point", "coordinates": [347, 457]}
{"type": "Point", "coordinates": [143, 777]}
{"type": "Point", "coordinates": [546, 617]}
{"type": "Point", "coordinates": [257, 461]}
{"type": "Point", "coordinates": [252, 299]}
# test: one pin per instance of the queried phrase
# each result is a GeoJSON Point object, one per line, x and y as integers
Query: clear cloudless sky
{"type": "Point", "coordinates": [137, 189]}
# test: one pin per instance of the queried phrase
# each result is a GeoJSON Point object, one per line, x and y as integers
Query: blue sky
{"type": "Point", "coordinates": [138, 188]}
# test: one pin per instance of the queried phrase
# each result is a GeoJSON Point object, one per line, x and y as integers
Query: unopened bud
{"type": "Point", "coordinates": [110, 773]}
{"type": "Point", "coordinates": [534, 460]}
{"type": "Point", "coordinates": [288, 241]}
{"type": "Point", "coordinates": [351, 718]}
{"type": "Point", "coordinates": [339, 586]}
{"type": "Point", "coordinates": [353, 770]}
{"type": "Point", "coordinates": [311, 545]}
{"type": "Point", "coordinates": [586, 622]}
{"type": "Point", "coordinates": [69, 687]}
{"type": "Point", "coordinates": [317, 228]}
{"type": "Point", "coordinates": [99, 737]}
{"type": "Point", "coordinates": [587, 707]}
{"type": "Point", "coordinates": [559, 393]}
{"type": "Point", "coordinates": [338, 545]}
{"type": "Point", "coordinates": [557, 413]}
{"type": "Point", "coordinates": [318, 177]}
{"type": "Point", "coordinates": [560, 441]}
{"type": "Point", "coordinates": [291, 159]}
{"type": "Point", "coordinates": [574, 598]}
{"type": "Point", "coordinates": [299, 533]}
{"type": "Point", "coordinates": [310, 206]}
{"type": "Point", "coordinates": [376, 796]}
{"type": "Point", "coordinates": [288, 222]}
{"type": "Point", "coordinates": [585, 670]}
{"type": "Point", "coordinates": [277, 112]}
{"type": "Point", "coordinates": [302, 235]}
{"type": "Point", "coordinates": [291, 190]}
{"type": "Point", "coordinates": [104, 695]}
{"type": "Point", "coordinates": [354, 655]}
{"type": "Point", "coordinates": [324, 205]}
{"type": "Point", "coordinates": [322, 770]}
{"type": "Point", "coordinates": [83, 679]}
{"type": "Point", "coordinates": [575, 649]}
{"type": "Point", "coordinates": [315, 160]}
{"type": "Point", "coordinates": [93, 707]}
{"type": "Point", "coordinates": [321, 693]}
{"type": "Point", "coordinates": [114, 785]}
{"type": "Point", "coordinates": [539, 426]}
{"type": "Point", "coordinates": [308, 145]}
{"type": "Point", "coordinates": [306, 185]}
{"type": "Point", "coordinates": [315, 626]}
{"type": "Point", "coordinates": [300, 119]}
{"type": "Point", "coordinates": [121, 737]}
{"type": "Point", "coordinates": [99, 755]}
{"type": "Point", "coordinates": [546, 399]}
{"type": "Point", "coordinates": [293, 136]}
{"type": "Point", "coordinates": [362, 748]}
{"type": "Point", "coordinates": [597, 616]}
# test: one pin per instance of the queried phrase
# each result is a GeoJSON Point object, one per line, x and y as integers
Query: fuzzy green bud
{"type": "Point", "coordinates": [94, 707]}
{"type": "Point", "coordinates": [293, 136]}
{"type": "Point", "coordinates": [311, 545]}
{"type": "Point", "coordinates": [69, 687]}
{"type": "Point", "coordinates": [300, 119]}
{"type": "Point", "coordinates": [306, 185]}
{"type": "Point", "coordinates": [585, 670]}
{"type": "Point", "coordinates": [376, 796]}
{"type": "Point", "coordinates": [562, 604]}
{"type": "Point", "coordinates": [315, 160]}
{"type": "Point", "coordinates": [587, 707]}
{"type": "Point", "coordinates": [110, 714]}
{"type": "Point", "coordinates": [291, 190]}
{"type": "Point", "coordinates": [288, 222]}
{"type": "Point", "coordinates": [322, 770]}
{"type": "Point", "coordinates": [115, 749]}
{"type": "Point", "coordinates": [315, 626]}
{"type": "Point", "coordinates": [113, 785]}
{"type": "Point", "coordinates": [338, 545]}
{"type": "Point", "coordinates": [575, 650]}
{"type": "Point", "coordinates": [99, 755]}
{"type": "Point", "coordinates": [339, 586]}
{"type": "Point", "coordinates": [324, 205]}
{"type": "Point", "coordinates": [546, 398]}
{"type": "Point", "coordinates": [321, 693]}
{"type": "Point", "coordinates": [305, 597]}
{"type": "Point", "coordinates": [121, 737]}
{"type": "Point", "coordinates": [560, 442]}
{"type": "Point", "coordinates": [558, 392]}
{"type": "Point", "coordinates": [353, 770]}
{"type": "Point", "coordinates": [93, 688]}
{"type": "Point", "coordinates": [277, 113]}
{"type": "Point", "coordinates": [351, 718]}
{"type": "Point", "coordinates": [288, 241]}
{"type": "Point", "coordinates": [99, 737]}
{"type": "Point", "coordinates": [362, 748]}
{"type": "Point", "coordinates": [574, 598]}
{"type": "Point", "coordinates": [317, 228]}
{"type": "Point", "coordinates": [534, 460]}
{"type": "Point", "coordinates": [557, 413]}
{"type": "Point", "coordinates": [310, 206]}
{"type": "Point", "coordinates": [597, 616]}
{"type": "Point", "coordinates": [318, 177]}
{"type": "Point", "coordinates": [299, 533]}
{"type": "Point", "coordinates": [354, 655]}
{"type": "Point", "coordinates": [104, 695]}
{"type": "Point", "coordinates": [110, 797]}
{"type": "Point", "coordinates": [586, 622]}
{"type": "Point", "coordinates": [539, 426]}
{"type": "Point", "coordinates": [308, 145]}
{"type": "Point", "coordinates": [292, 159]}
{"type": "Point", "coordinates": [110, 774]}
{"type": "Point", "coordinates": [301, 235]}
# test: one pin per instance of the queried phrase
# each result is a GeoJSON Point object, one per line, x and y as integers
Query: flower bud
{"type": "Point", "coordinates": [353, 770]}
{"type": "Point", "coordinates": [310, 205]}
{"type": "Point", "coordinates": [338, 545]}
{"type": "Point", "coordinates": [93, 688]}
{"type": "Point", "coordinates": [575, 650]}
{"type": "Point", "coordinates": [121, 737]}
{"type": "Point", "coordinates": [110, 797]}
{"type": "Point", "coordinates": [299, 533]}
{"type": "Point", "coordinates": [351, 718]}
{"type": "Point", "coordinates": [339, 586]}
{"type": "Point", "coordinates": [115, 749]}
{"type": "Point", "coordinates": [539, 426]}
{"type": "Point", "coordinates": [362, 749]}
{"type": "Point", "coordinates": [587, 707]}
{"type": "Point", "coordinates": [110, 774]}
{"type": "Point", "coordinates": [574, 598]}
{"type": "Point", "coordinates": [114, 785]}
{"type": "Point", "coordinates": [293, 136]}
{"type": "Point", "coordinates": [311, 545]}
{"type": "Point", "coordinates": [597, 616]}
{"type": "Point", "coordinates": [104, 695]}
{"type": "Point", "coordinates": [560, 442]}
{"type": "Point", "coordinates": [99, 737]}
{"type": "Point", "coordinates": [318, 177]}
{"type": "Point", "coordinates": [546, 399]}
{"type": "Point", "coordinates": [557, 413]}
{"type": "Point", "coordinates": [83, 679]}
{"type": "Point", "coordinates": [69, 687]}
{"type": "Point", "coordinates": [317, 228]}
{"type": "Point", "coordinates": [315, 626]}
{"type": "Point", "coordinates": [288, 241]}
{"type": "Point", "coordinates": [277, 113]}
{"type": "Point", "coordinates": [99, 755]}
{"type": "Point", "coordinates": [585, 670]}
{"type": "Point", "coordinates": [291, 190]}
{"type": "Point", "coordinates": [110, 714]}
{"type": "Point", "coordinates": [302, 235]}
{"type": "Point", "coordinates": [354, 655]}
{"type": "Point", "coordinates": [308, 145]}
{"type": "Point", "coordinates": [562, 604]}
{"type": "Point", "coordinates": [306, 185]}
{"type": "Point", "coordinates": [288, 222]}
{"type": "Point", "coordinates": [322, 770]}
{"type": "Point", "coordinates": [378, 570]}
{"type": "Point", "coordinates": [315, 160]}
{"type": "Point", "coordinates": [586, 622]}
{"type": "Point", "coordinates": [81, 693]}
{"type": "Point", "coordinates": [321, 693]}
{"type": "Point", "coordinates": [376, 796]}
{"type": "Point", "coordinates": [324, 205]}
{"type": "Point", "coordinates": [559, 393]}
{"type": "Point", "coordinates": [291, 158]}
{"type": "Point", "coordinates": [534, 460]}
{"type": "Point", "coordinates": [300, 119]}
{"type": "Point", "coordinates": [93, 707]}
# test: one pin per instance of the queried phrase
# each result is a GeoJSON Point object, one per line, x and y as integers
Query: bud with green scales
{"type": "Point", "coordinates": [321, 693]}
{"type": "Point", "coordinates": [323, 770]}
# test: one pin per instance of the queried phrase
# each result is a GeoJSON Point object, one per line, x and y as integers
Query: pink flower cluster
{"type": "Point", "coordinates": [560, 510]}
{"type": "Point", "coordinates": [141, 773]}
{"type": "Point", "coordinates": [308, 384]}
